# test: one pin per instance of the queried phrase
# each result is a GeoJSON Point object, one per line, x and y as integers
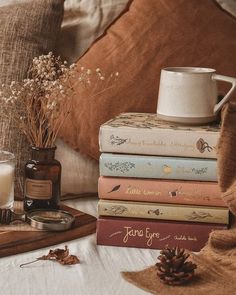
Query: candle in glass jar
{"type": "Point", "coordinates": [6, 185]}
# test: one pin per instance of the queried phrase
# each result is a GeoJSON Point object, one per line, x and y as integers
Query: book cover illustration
{"type": "Point", "coordinates": [163, 211]}
{"type": "Point", "coordinates": [160, 191]}
{"type": "Point", "coordinates": [140, 166]}
{"type": "Point", "coordinates": [141, 133]}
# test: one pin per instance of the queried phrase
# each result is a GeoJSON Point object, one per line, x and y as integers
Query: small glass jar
{"type": "Point", "coordinates": [42, 188]}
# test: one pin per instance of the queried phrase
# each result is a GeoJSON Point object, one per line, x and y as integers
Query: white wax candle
{"type": "Point", "coordinates": [6, 184]}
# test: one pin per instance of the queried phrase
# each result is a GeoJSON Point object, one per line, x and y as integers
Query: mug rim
{"type": "Point", "coordinates": [6, 157]}
{"type": "Point", "coordinates": [189, 70]}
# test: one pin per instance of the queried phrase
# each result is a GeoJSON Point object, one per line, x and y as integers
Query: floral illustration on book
{"type": "Point", "coordinates": [156, 212]}
{"type": "Point", "coordinates": [200, 171]}
{"type": "Point", "coordinates": [116, 210]}
{"type": "Point", "coordinates": [174, 193]}
{"type": "Point", "coordinates": [120, 166]}
{"type": "Point", "coordinates": [198, 215]}
{"type": "Point", "coordinates": [116, 140]}
{"type": "Point", "coordinates": [115, 189]}
{"type": "Point", "coordinates": [202, 145]}
{"type": "Point", "coordinates": [151, 121]}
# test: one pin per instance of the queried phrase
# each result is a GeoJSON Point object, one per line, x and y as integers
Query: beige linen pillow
{"type": "Point", "coordinates": [79, 172]}
{"type": "Point", "coordinates": [84, 21]}
{"type": "Point", "coordinates": [228, 5]}
{"type": "Point", "coordinates": [27, 29]}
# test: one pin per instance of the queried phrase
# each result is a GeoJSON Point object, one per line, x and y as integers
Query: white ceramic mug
{"type": "Point", "coordinates": [189, 95]}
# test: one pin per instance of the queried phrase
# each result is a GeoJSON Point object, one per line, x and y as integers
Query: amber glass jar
{"type": "Point", "coordinates": [42, 187]}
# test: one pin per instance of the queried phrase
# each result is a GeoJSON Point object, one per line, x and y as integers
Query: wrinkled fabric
{"type": "Point", "coordinates": [228, 5]}
{"type": "Point", "coordinates": [215, 274]}
{"type": "Point", "coordinates": [84, 21]}
{"type": "Point", "coordinates": [227, 156]}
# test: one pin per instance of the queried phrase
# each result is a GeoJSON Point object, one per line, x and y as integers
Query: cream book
{"type": "Point", "coordinates": [143, 133]}
{"type": "Point", "coordinates": [189, 213]}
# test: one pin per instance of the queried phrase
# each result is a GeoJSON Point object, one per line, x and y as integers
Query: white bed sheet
{"type": "Point", "coordinates": [98, 273]}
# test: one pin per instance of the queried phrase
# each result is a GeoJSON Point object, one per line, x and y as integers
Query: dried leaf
{"type": "Point", "coordinates": [69, 260]}
{"type": "Point", "coordinates": [60, 255]}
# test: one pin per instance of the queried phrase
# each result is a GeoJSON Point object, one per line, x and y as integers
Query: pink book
{"type": "Point", "coordinates": [160, 191]}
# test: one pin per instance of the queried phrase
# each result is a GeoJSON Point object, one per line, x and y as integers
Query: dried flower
{"type": "Point", "coordinates": [40, 103]}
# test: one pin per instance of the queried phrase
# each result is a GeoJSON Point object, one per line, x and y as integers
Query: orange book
{"type": "Point", "coordinates": [160, 191]}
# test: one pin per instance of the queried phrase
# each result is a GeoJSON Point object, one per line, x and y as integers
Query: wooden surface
{"type": "Point", "coordinates": [13, 242]}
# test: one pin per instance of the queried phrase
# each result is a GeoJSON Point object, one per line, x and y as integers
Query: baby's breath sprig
{"type": "Point", "coordinates": [40, 103]}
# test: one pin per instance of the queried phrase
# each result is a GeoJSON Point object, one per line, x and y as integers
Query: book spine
{"type": "Point", "coordinates": [160, 191]}
{"type": "Point", "coordinates": [138, 233]}
{"type": "Point", "coordinates": [163, 211]}
{"type": "Point", "coordinates": [158, 167]}
{"type": "Point", "coordinates": [159, 142]}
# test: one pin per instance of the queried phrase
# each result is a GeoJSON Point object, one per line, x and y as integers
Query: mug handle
{"type": "Point", "coordinates": [231, 80]}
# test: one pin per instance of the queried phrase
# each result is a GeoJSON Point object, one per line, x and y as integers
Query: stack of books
{"type": "Point", "coordinates": [158, 184]}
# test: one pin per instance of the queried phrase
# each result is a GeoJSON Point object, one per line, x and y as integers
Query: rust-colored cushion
{"type": "Point", "coordinates": [151, 35]}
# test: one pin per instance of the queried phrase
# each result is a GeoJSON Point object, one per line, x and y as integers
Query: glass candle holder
{"type": "Point", "coordinates": [7, 171]}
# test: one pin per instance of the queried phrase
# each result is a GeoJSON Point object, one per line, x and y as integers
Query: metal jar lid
{"type": "Point", "coordinates": [52, 220]}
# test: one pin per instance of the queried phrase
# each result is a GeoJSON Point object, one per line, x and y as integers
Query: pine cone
{"type": "Point", "coordinates": [173, 268]}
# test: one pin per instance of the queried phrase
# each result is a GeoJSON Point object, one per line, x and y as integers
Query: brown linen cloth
{"type": "Point", "coordinates": [215, 274]}
{"type": "Point", "coordinates": [227, 156]}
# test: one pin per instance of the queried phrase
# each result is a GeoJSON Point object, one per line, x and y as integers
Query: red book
{"type": "Point", "coordinates": [138, 233]}
{"type": "Point", "coordinates": [160, 191]}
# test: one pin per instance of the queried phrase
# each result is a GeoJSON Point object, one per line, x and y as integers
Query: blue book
{"type": "Point", "coordinates": [123, 165]}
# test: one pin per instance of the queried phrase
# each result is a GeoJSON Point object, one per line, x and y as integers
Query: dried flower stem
{"type": "Point", "coordinates": [27, 263]}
